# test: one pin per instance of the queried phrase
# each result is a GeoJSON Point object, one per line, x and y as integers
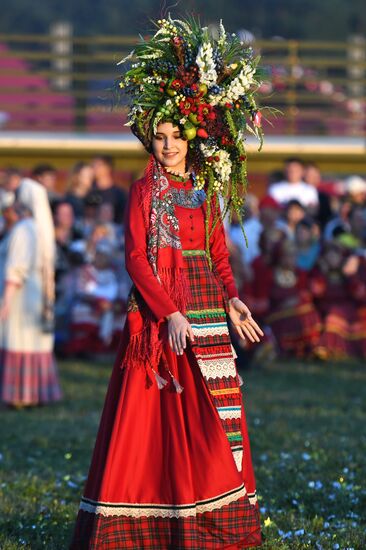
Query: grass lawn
{"type": "Point", "coordinates": [307, 427]}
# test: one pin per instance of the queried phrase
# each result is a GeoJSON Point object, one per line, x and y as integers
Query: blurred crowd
{"type": "Point", "coordinates": [303, 274]}
{"type": "Point", "coordinates": [302, 271]}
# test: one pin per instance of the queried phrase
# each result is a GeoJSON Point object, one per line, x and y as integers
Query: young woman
{"type": "Point", "coordinates": [28, 373]}
{"type": "Point", "coordinates": [172, 466]}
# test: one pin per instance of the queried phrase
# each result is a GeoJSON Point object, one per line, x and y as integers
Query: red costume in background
{"type": "Point", "coordinates": [281, 299]}
{"type": "Point", "coordinates": [341, 302]}
{"type": "Point", "coordinates": [172, 469]}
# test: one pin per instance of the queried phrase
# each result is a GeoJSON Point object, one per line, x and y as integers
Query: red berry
{"type": "Point", "coordinates": [201, 132]}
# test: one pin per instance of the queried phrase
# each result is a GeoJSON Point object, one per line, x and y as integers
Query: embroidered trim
{"type": "Point", "coordinates": [217, 368]}
{"type": "Point", "coordinates": [210, 329]}
{"type": "Point", "coordinates": [225, 391]}
{"type": "Point", "coordinates": [238, 457]}
{"type": "Point", "coordinates": [194, 252]}
{"type": "Point", "coordinates": [234, 352]}
{"type": "Point", "coordinates": [214, 356]}
{"type": "Point", "coordinates": [252, 498]}
{"type": "Point", "coordinates": [234, 436]}
{"type": "Point", "coordinates": [202, 313]}
{"type": "Point", "coordinates": [229, 412]}
{"type": "Point", "coordinates": [191, 198]}
{"type": "Point", "coordinates": [162, 510]}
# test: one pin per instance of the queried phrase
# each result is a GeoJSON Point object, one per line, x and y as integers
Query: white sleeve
{"type": "Point", "coordinates": [20, 255]}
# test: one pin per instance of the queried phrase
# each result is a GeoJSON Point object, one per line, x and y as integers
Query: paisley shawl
{"type": "Point", "coordinates": [164, 254]}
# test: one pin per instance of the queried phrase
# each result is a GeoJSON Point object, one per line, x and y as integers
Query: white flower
{"type": "Point", "coordinates": [236, 88]}
{"type": "Point", "coordinates": [206, 64]}
{"type": "Point", "coordinates": [222, 168]}
{"type": "Point", "coordinates": [222, 35]}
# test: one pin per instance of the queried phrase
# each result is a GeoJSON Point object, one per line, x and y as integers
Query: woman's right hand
{"type": "Point", "coordinates": [178, 330]}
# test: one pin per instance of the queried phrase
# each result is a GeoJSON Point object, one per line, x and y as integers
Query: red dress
{"type": "Point", "coordinates": [173, 470]}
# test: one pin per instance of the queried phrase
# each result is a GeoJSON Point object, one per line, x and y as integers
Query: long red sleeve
{"type": "Point", "coordinates": [137, 263]}
{"type": "Point", "coordinates": [220, 258]}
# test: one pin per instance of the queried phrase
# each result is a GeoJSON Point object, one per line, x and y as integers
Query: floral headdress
{"type": "Point", "coordinates": [206, 86]}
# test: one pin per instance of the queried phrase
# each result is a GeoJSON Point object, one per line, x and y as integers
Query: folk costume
{"type": "Point", "coordinates": [339, 298]}
{"type": "Point", "coordinates": [172, 467]}
{"type": "Point", "coordinates": [28, 373]}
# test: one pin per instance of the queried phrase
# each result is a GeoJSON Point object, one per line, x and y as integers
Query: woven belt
{"type": "Point", "coordinates": [194, 252]}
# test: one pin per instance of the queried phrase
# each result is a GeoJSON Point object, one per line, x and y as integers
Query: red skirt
{"type": "Point", "coordinates": [173, 470]}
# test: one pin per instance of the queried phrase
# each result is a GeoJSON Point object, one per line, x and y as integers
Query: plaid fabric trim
{"type": "Point", "coordinates": [235, 524]}
{"type": "Point", "coordinates": [28, 377]}
{"type": "Point", "coordinates": [212, 346]}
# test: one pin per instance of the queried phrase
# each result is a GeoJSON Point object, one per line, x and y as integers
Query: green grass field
{"type": "Point", "coordinates": [307, 427]}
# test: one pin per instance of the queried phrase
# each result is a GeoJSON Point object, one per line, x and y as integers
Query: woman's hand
{"type": "Point", "coordinates": [4, 311]}
{"type": "Point", "coordinates": [243, 322]}
{"type": "Point", "coordinates": [178, 330]}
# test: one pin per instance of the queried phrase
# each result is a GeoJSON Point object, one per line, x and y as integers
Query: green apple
{"type": "Point", "coordinates": [189, 132]}
{"type": "Point", "coordinates": [192, 117]}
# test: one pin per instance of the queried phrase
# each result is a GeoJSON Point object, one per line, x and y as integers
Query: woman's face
{"type": "Point", "coordinates": [169, 147]}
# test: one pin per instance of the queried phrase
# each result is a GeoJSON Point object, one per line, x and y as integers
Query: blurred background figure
{"type": "Point", "coordinates": [46, 175]}
{"type": "Point", "coordinates": [105, 190]}
{"type": "Point", "coordinates": [294, 186]}
{"type": "Point", "coordinates": [97, 308]}
{"type": "Point", "coordinates": [307, 243]}
{"type": "Point", "coordinates": [356, 190]}
{"type": "Point", "coordinates": [28, 374]}
{"type": "Point", "coordinates": [34, 196]}
{"type": "Point", "coordinates": [333, 287]}
{"type": "Point", "coordinates": [248, 248]}
{"type": "Point", "coordinates": [313, 177]}
{"type": "Point", "coordinates": [80, 184]}
{"type": "Point", "coordinates": [293, 214]}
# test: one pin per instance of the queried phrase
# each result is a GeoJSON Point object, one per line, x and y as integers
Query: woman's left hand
{"type": "Point", "coordinates": [243, 321]}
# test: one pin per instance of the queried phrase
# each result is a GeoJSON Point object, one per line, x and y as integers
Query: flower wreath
{"type": "Point", "coordinates": [205, 85]}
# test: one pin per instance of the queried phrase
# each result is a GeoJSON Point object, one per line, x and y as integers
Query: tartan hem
{"type": "Point", "coordinates": [162, 510]}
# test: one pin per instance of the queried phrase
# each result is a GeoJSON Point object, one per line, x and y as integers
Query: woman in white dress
{"type": "Point", "coordinates": [28, 374]}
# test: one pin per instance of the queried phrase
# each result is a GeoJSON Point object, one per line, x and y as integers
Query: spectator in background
{"type": "Point", "coordinates": [80, 184]}
{"type": "Point", "coordinates": [332, 285]}
{"type": "Point", "coordinates": [294, 213]}
{"type": "Point", "coordinates": [252, 228]}
{"type": "Point", "coordinates": [340, 223]}
{"type": "Point", "coordinates": [356, 190]}
{"type": "Point", "coordinates": [28, 374]}
{"type": "Point", "coordinates": [46, 175]}
{"type": "Point", "coordinates": [269, 215]}
{"type": "Point", "coordinates": [65, 233]}
{"type": "Point", "coordinates": [307, 244]}
{"type": "Point", "coordinates": [91, 208]}
{"type": "Point", "coordinates": [313, 177]}
{"type": "Point", "coordinates": [291, 314]}
{"type": "Point", "coordinates": [294, 186]}
{"type": "Point", "coordinates": [104, 188]}
{"type": "Point", "coordinates": [94, 308]}
{"type": "Point", "coordinates": [355, 237]}
{"type": "Point", "coordinates": [34, 196]}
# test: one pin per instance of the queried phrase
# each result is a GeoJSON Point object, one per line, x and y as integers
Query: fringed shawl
{"type": "Point", "coordinates": [164, 254]}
